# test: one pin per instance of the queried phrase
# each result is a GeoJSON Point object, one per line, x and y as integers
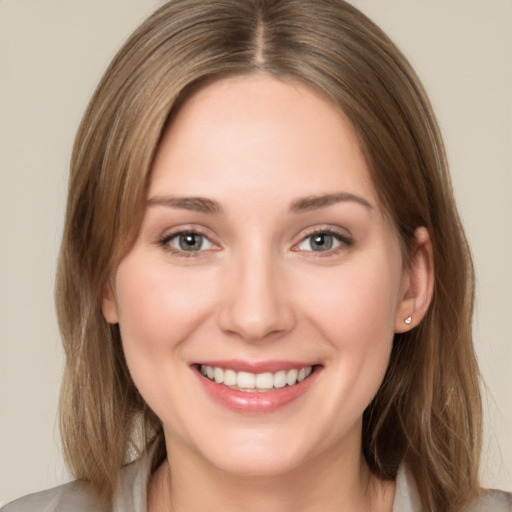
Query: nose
{"type": "Point", "coordinates": [257, 303]}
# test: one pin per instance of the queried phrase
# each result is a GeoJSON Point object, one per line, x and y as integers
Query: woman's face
{"type": "Point", "coordinates": [263, 257]}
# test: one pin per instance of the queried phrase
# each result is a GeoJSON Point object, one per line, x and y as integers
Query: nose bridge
{"type": "Point", "coordinates": [257, 303]}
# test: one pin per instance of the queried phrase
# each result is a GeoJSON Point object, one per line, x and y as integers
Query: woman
{"type": "Point", "coordinates": [264, 289]}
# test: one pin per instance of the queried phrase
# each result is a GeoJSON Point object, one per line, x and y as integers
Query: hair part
{"type": "Point", "coordinates": [427, 413]}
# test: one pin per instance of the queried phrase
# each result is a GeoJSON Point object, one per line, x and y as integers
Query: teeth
{"type": "Point", "coordinates": [291, 377]}
{"type": "Point", "coordinates": [256, 381]}
{"type": "Point", "coordinates": [218, 375]}
{"type": "Point", "coordinates": [280, 379]}
{"type": "Point", "coordinates": [245, 380]}
{"type": "Point", "coordinates": [264, 381]}
{"type": "Point", "coordinates": [229, 377]}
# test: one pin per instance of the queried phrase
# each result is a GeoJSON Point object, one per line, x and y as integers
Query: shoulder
{"type": "Point", "coordinates": [493, 501]}
{"type": "Point", "coordinates": [74, 496]}
{"type": "Point", "coordinates": [407, 498]}
{"type": "Point", "coordinates": [77, 496]}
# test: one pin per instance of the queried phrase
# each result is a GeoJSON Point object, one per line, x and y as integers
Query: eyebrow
{"type": "Point", "coordinates": [303, 204]}
{"type": "Point", "coordinates": [309, 203]}
{"type": "Point", "coordinates": [196, 204]}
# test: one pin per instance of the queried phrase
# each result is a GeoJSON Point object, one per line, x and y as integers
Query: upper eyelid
{"type": "Point", "coordinates": [345, 240]}
{"type": "Point", "coordinates": [341, 232]}
{"type": "Point", "coordinates": [164, 242]}
{"type": "Point", "coordinates": [168, 235]}
{"type": "Point", "coordinates": [180, 230]}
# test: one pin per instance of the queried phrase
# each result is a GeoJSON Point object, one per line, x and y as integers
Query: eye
{"type": "Point", "coordinates": [323, 241]}
{"type": "Point", "coordinates": [188, 242]}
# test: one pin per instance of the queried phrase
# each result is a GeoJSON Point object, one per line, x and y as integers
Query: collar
{"type": "Point", "coordinates": [132, 494]}
{"type": "Point", "coordinates": [406, 494]}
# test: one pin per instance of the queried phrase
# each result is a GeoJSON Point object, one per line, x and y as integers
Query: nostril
{"type": "Point", "coordinates": [255, 323]}
{"type": "Point", "coordinates": [256, 305]}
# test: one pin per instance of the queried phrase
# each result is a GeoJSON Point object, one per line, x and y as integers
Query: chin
{"type": "Point", "coordinates": [257, 462]}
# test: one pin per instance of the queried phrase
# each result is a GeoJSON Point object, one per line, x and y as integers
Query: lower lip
{"type": "Point", "coordinates": [257, 402]}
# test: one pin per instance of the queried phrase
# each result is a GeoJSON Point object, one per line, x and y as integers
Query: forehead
{"type": "Point", "coordinates": [247, 133]}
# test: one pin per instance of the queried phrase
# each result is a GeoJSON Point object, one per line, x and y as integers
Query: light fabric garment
{"type": "Point", "coordinates": [74, 497]}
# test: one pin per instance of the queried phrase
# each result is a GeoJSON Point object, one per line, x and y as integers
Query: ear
{"type": "Point", "coordinates": [417, 284]}
{"type": "Point", "coordinates": [109, 304]}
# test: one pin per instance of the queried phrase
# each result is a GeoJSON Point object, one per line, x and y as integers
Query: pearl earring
{"type": "Point", "coordinates": [408, 320]}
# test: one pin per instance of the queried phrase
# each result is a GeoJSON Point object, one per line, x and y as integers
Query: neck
{"type": "Point", "coordinates": [329, 482]}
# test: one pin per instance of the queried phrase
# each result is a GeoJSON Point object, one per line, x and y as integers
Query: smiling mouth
{"type": "Point", "coordinates": [255, 382]}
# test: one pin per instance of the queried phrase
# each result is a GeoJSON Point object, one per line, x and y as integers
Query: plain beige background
{"type": "Point", "coordinates": [52, 53]}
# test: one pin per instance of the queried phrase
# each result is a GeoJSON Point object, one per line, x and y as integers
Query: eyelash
{"type": "Point", "coordinates": [164, 242]}
{"type": "Point", "coordinates": [344, 242]}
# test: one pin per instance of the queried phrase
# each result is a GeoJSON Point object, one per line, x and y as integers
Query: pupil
{"type": "Point", "coordinates": [322, 242]}
{"type": "Point", "coordinates": [191, 241]}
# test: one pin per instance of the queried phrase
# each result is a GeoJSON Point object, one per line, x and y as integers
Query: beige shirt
{"type": "Point", "coordinates": [74, 496]}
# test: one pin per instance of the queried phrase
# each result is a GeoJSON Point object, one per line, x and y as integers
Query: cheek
{"type": "Point", "coordinates": [159, 307]}
{"type": "Point", "coordinates": [353, 306]}
{"type": "Point", "coordinates": [355, 303]}
{"type": "Point", "coordinates": [157, 304]}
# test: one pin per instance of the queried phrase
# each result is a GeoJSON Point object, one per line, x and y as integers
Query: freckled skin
{"type": "Point", "coordinates": [257, 291]}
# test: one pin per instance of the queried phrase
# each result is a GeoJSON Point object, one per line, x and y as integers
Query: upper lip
{"type": "Point", "coordinates": [256, 366]}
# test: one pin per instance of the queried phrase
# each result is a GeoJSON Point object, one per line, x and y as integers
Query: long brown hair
{"type": "Point", "coordinates": [427, 413]}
